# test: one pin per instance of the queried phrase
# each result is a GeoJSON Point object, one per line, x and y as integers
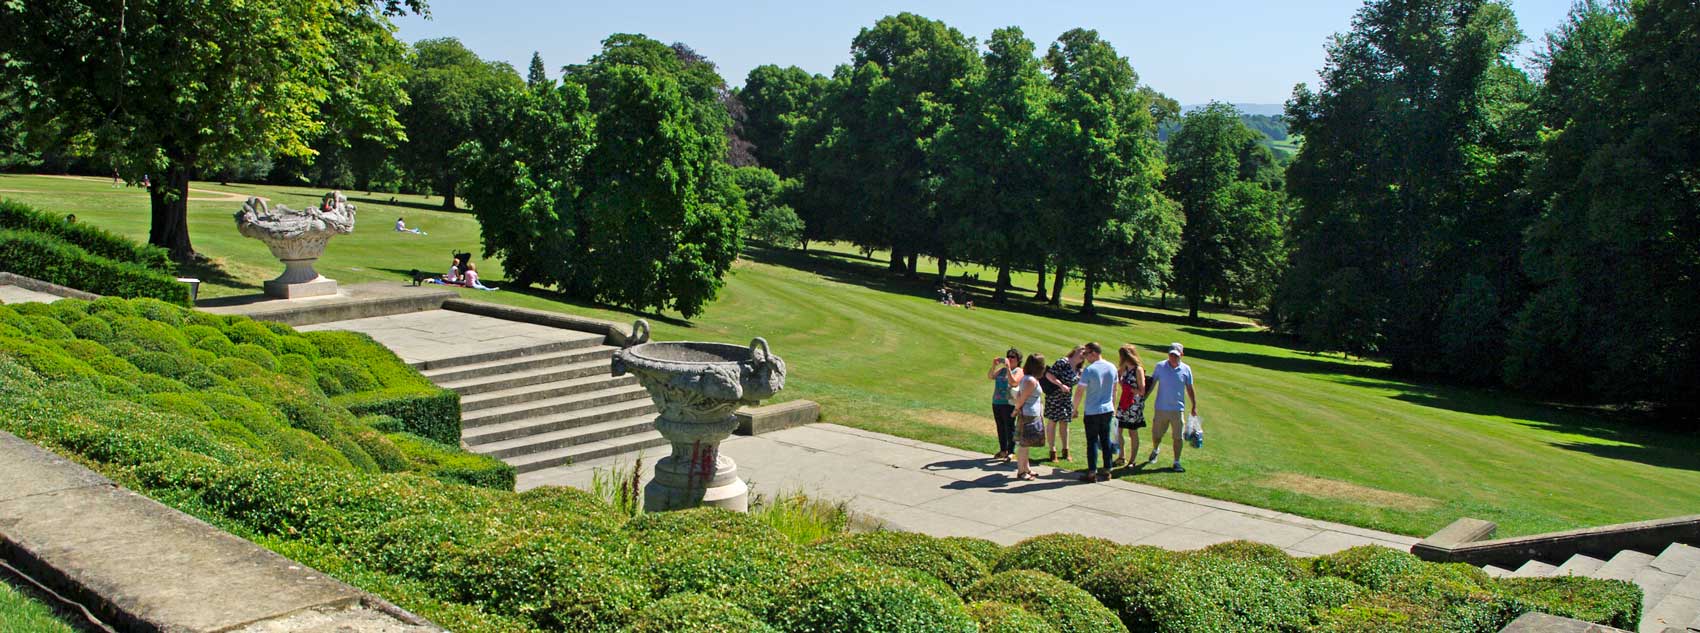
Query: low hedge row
{"type": "Point", "coordinates": [21, 217]}
{"type": "Point", "coordinates": [48, 258]}
{"type": "Point", "coordinates": [369, 379]}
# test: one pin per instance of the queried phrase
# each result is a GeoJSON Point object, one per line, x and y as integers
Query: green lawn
{"type": "Point", "coordinates": [20, 612]}
{"type": "Point", "coordinates": [1313, 435]}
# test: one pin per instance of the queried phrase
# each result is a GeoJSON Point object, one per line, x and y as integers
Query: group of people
{"type": "Point", "coordinates": [954, 296]}
{"type": "Point", "coordinates": [1033, 404]}
{"type": "Point", "coordinates": [462, 272]}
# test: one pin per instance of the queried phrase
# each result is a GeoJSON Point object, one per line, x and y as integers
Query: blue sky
{"type": "Point", "coordinates": [1193, 50]}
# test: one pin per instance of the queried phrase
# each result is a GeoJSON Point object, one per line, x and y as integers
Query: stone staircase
{"type": "Point", "coordinates": [547, 405]}
{"type": "Point", "coordinates": [1670, 582]}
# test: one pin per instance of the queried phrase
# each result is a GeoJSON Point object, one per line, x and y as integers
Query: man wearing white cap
{"type": "Point", "coordinates": [1171, 401]}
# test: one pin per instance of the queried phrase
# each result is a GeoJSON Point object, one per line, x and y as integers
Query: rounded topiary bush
{"type": "Point", "coordinates": [338, 376]}
{"type": "Point", "coordinates": [1370, 566]}
{"type": "Point", "coordinates": [1197, 593]}
{"type": "Point", "coordinates": [297, 344]}
{"type": "Point", "coordinates": [1262, 555]}
{"type": "Point", "coordinates": [92, 329]}
{"type": "Point", "coordinates": [148, 336]}
{"type": "Point", "coordinates": [1066, 556]}
{"type": "Point", "coordinates": [556, 578]}
{"type": "Point", "coordinates": [256, 355]}
{"type": "Point", "coordinates": [1615, 603]}
{"type": "Point", "coordinates": [156, 310]}
{"type": "Point", "coordinates": [112, 307]}
{"type": "Point", "coordinates": [1068, 608]}
{"type": "Point", "coordinates": [924, 553]}
{"type": "Point", "coordinates": [988, 551]}
{"type": "Point", "coordinates": [47, 327]}
{"type": "Point", "coordinates": [567, 501]}
{"type": "Point", "coordinates": [739, 569]}
{"type": "Point", "coordinates": [1003, 617]}
{"type": "Point", "coordinates": [1324, 593]}
{"type": "Point", "coordinates": [704, 520]}
{"type": "Point", "coordinates": [859, 599]}
{"type": "Point", "coordinates": [695, 613]}
{"type": "Point", "coordinates": [255, 332]}
{"type": "Point", "coordinates": [1384, 613]}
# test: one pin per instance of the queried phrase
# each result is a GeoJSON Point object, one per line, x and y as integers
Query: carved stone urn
{"type": "Point", "coordinates": [697, 386]}
{"type": "Point", "coordinates": [297, 238]}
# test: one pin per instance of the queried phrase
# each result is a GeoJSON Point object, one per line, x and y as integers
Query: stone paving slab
{"type": "Point", "coordinates": [15, 294]}
{"type": "Point", "coordinates": [145, 566]}
{"type": "Point", "coordinates": [914, 485]}
{"type": "Point", "coordinates": [439, 334]}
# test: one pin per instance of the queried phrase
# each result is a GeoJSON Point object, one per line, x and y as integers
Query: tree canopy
{"type": "Point", "coordinates": [162, 88]}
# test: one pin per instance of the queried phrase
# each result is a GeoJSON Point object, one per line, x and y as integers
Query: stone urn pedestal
{"type": "Point", "coordinates": [697, 387]}
{"type": "Point", "coordinates": [297, 238]}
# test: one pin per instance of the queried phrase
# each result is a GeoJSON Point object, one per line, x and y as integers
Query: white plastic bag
{"type": "Point", "coordinates": [1194, 433]}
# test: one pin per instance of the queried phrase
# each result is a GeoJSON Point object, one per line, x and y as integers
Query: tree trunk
{"type": "Point", "coordinates": [1163, 303]}
{"type": "Point", "coordinates": [1057, 284]}
{"type": "Point", "coordinates": [1086, 299]}
{"type": "Point", "coordinates": [944, 270]}
{"type": "Point", "coordinates": [449, 194]}
{"type": "Point", "coordinates": [169, 199]}
{"type": "Point", "coordinates": [1000, 294]}
{"type": "Point", "coordinates": [1193, 298]}
{"type": "Point", "coordinates": [914, 260]}
{"type": "Point", "coordinates": [896, 261]}
{"type": "Point", "coordinates": [1039, 295]}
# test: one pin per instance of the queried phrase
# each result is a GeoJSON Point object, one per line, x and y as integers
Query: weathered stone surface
{"type": "Point", "coordinates": [614, 334]}
{"type": "Point", "coordinates": [1542, 623]}
{"type": "Point", "coordinates": [141, 565]}
{"type": "Point", "coordinates": [697, 386]}
{"type": "Point", "coordinates": [358, 301]}
{"type": "Point", "coordinates": [775, 417]}
{"type": "Point", "coordinates": [297, 238]}
{"type": "Point", "coordinates": [359, 619]}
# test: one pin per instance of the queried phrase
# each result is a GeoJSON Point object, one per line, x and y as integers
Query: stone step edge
{"type": "Point", "coordinates": [572, 436]}
{"type": "Point", "coordinates": [475, 435]}
{"type": "Point", "coordinates": [542, 391]}
{"type": "Point", "coordinates": [496, 369]}
{"type": "Point", "coordinates": [548, 406]}
{"type": "Point", "coordinates": [548, 373]}
{"type": "Point", "coordinates": [505, 354]}
{"type": "Point", "coordinates": [585, 452]}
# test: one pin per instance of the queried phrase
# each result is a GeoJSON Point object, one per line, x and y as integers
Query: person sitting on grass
{"type": "Point", "coordinates": [451, 278]}
{"type": "Point", "coordinates": [470, 279]}
{"type": "Point", "coordinates": [401, 227]}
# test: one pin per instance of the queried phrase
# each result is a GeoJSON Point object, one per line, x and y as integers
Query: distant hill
{"type": "Point", "coordinates": [1265, 109]}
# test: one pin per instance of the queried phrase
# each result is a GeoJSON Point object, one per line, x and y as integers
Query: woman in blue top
{"type": "Point", "coordinates": [1005, 375]}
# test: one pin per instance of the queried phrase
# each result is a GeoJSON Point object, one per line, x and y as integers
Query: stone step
{"type": "Point", "coordinates": [1624, 566]}
{"type": "Point", "coordinates": [1579, 565]}
{"type": "Point", "coordinates": [543, 391]}
{"type": "Point", "coordinates": [1695, 625]}
{"type": "Point", "coordinates": [1496, 572]}
{"type": "Point", "coordinates": [1533, 569]}
{"type": "Point", "coordinates": [502, 366]}
{"type": "Point", "coordinates": [550, 406]}
{"type": "Point", "coordinates": [1673, 612]}
{"type": "Point", "coordinates": [570, 367]}
{"type": "Point", "coordinates": [475, 436]}
{"type": "Point", "coordinates": [1678, 559]}
{"type": "Point", "coordinates": [575, 342]}
{"type": "Point", "coordinates": [1656, 586]}
{"type": "Point", "coordinates": [593, 450]}
{"type": "Point", "coordinates": [540, 442]}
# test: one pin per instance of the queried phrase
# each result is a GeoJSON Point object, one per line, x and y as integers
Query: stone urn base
{"type": "Point", "coordinates": [672, 488]}
{"type": "Point", "coordinates": [299, 280]}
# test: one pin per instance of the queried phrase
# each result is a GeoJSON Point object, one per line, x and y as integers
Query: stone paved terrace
{"type": "Point", "coordinates": [422, 337]}
{"type": "Point", "coordinates": [15, 294]}
{"type": "Point", "coordinates": [922, 487]}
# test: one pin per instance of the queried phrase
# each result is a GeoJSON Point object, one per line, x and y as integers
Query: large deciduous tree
{"type": "Point", "coordinates": [451, 91]}
{"type": "Point", "coordinates": [995, 163]}
{"type": "Point", "coordinates": [1414, 148]}
{"type": "Point", "coordinates": [163, 87]}
{"type": "Point", "coordinates": [1231, 246]}
{"type": "Point", "coordinates": [1105, 169]}
{"type": "Point", "coordinates": [776, 101]}
{"type": "Point", "coordinates": [1615, 251]}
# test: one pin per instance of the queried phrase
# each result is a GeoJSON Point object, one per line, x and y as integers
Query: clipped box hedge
{"type": "Point", "coordinates": [98, 242]}
{"type": "Point", "coordinates": [48, 258]}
